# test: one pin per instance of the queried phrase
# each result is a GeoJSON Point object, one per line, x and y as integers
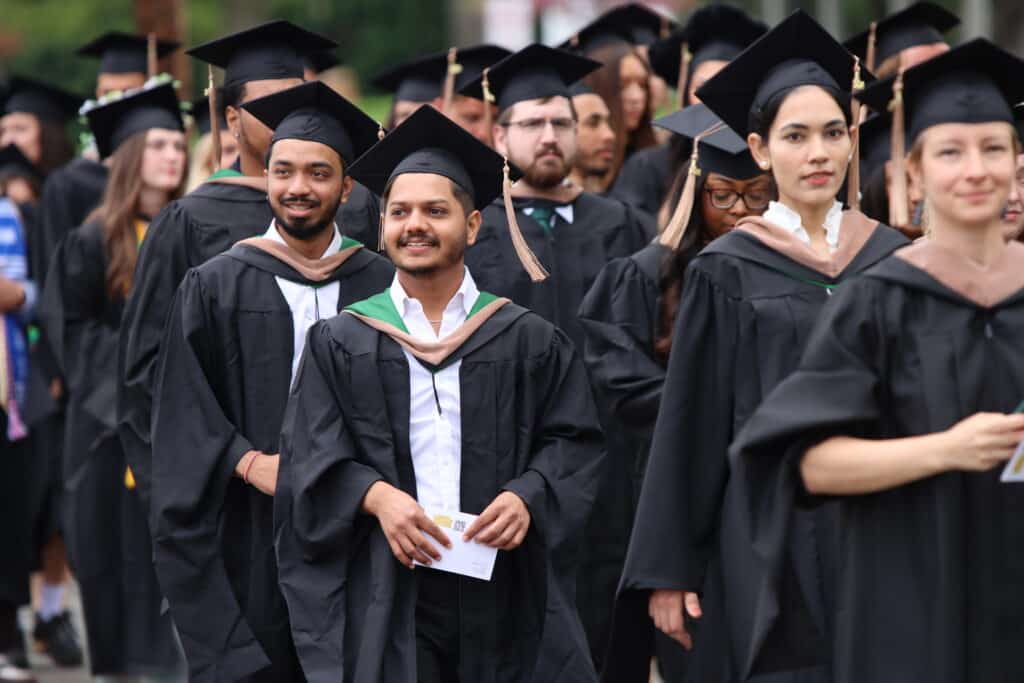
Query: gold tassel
{"type": "Point", "coordinates": [151, 60]}
{"type": "Point", "coordinates": [380, 234]}
{"type": "Point", "coordinates": [899, 212]}
{"type": "Point", "coordinates": [673, 233]}
{"type": "Point", "coordinates": [872, 46]}
{"type": "Point", "coordinates": [488, 106]}
{"type": "Point", "coordinates": [211, 96]}
{"type": "Point", "coordinates": [853, 170]}
{"type": "Point", "coordinates": [380, 132]}
{"type": "Point", "coordinates": [531, 264]}
{"type": "Point", "coordinates": [454, 68]}
{"type": "Point", "coordinates": [685, 57]}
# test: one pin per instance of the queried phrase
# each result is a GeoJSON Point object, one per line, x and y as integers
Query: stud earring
{"type": "Point", "coordinates": [765, 165]}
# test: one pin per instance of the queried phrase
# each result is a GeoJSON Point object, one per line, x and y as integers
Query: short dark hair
{"type": "Point", "coordinates": [462, 196]}
{"type": "Point", "coordinates": [760, 121]}
{"type": "Point", "coordinates": [231, 95]}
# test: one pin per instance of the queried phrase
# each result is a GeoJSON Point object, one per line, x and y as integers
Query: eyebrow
{"type": "Point", "coordinates": [804, 126]}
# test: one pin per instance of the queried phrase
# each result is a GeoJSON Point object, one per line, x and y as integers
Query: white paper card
{"type": "Point", "coordinates": [1014, 470]}
{"type": "Point", "coordinates": [472, 559]}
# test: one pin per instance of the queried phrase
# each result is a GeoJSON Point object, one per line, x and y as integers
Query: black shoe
{"type": "Point", "coordinates": [58, 639]}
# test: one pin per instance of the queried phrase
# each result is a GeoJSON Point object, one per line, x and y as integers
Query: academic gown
{"type": "Point", "coordinates": [186, 233]}
{"type": "Point", "coordinates": [529, 426]}
{"type": "Point", "coordinates": [105, 527]}
{"type": "Point", "coordinates": [645, 179]}
{"type": "Point", "coordinates": [747, 308]}
{"type": "Point", "coordinates": [573, 254]}
{"type": "Point", "coordinates": [223, 383]}
{"type": "Point", "coordinates": [931, 574]}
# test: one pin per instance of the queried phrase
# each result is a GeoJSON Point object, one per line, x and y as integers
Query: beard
{"type": "Point", "coordinates": [546, 176]}
{"type": "Point", "coordinates": [305, 229]}
{"type": "Point", "coordinates": [449, 254]}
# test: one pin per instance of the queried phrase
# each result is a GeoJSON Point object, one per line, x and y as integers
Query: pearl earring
{"type": "Point", "coordinates": [765, 165]}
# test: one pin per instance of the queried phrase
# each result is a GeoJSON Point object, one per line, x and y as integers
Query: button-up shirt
{"type": "Point", "coordinates": [781, 215]}
{"type": "Point", "coordinates": [435, 409]}
{"type": "Point", "coordinates": [307, 303]}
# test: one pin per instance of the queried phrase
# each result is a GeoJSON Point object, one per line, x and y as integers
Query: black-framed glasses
{"type": "Point", "coordinates": [562, 126]}
{"type": "Point", "coordinates": [755, 200]}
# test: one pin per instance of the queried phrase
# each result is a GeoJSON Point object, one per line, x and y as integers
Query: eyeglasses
{"type": "Point", "coordinates": [754, 200]}
{"type": "Point", "coordinates": [562, 126]}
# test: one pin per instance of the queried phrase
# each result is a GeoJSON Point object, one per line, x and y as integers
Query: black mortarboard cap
{"type": "Point", "coordinates": [797, 52]}
{"type": "Point", "coordinates": [14, 162]}
{"type": "Point", "coordinates": [321, 61]}
{"type": "Point", "coordinates": [114, 122]}
{"type": "Point", "coordinates": [46, 101]}
{"type": "Point", "coordinates": [315, 112]}
{"type": "Point", "coordinates": [722, 152]}
{"type": "Point", "coordinates": [428, 142]}
{"type": "Point", "coordinates": [273, 50]}
{"type": "Point", "coordinates": [715, 32]}
{"type": "Point", "coordinates": [976, 82]}
{"type": "Point", "coordinates": [422, 79]}
{"type": "Point", "coordinates": [632, 24]}
{"type": "Point", "coordinates": [534, 72]}
{"type": "Point", "coordinates": [201, 114]}
{"type": "Point", "coordinates": [923, 23]}
{"type": "Point", "coordinates": [121, 53]}
{"type": "Point", "coordinates": [875, 145]}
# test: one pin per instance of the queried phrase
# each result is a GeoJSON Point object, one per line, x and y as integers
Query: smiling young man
{"type": "Point", "coordinates": [231, 347]}
{"type": "Point", "coordinates": [414, 411]}
{"type": "Point", "coordinates": [230, 206]}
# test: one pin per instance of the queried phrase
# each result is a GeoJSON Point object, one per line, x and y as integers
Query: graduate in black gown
{"type": "Point", "coordinates": [105, 528]}
{"type": "Point", "coordinates": [903, 39]}
{"type": "Point", "coordinates": [712, 36]}
{"type": "Point", "coordinates": [231, 346]}
{"type": "Point", "coordinates": [572, 235]}
{"type": "Point", "coordinates": [230, 206]}
{"type": "Point", "coordinates": [430, 399]}
{"type": "Point", "coordinates": [628, 314]}
{"type": "Point", "coordinates": [748, 303]}
{"type": "Point", "coordinates": [900, 411]}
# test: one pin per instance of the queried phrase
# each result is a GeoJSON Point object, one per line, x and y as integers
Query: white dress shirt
{"type": "Point", "coordinates": [781, 215]}
{"type": "Point", "coordinates": [564, 211]}
{"type": "Point", "coordinates": [435, 409]}
{"type": "Point", "coordinates": [307, 304]}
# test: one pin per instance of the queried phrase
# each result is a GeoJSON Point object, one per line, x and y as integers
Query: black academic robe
{"type": "Point", "coordinates": [931, 574]}
{"type": "Point", "coordinates": [186, 233]}
{"type": "Point", "coordinates": [529, 426]}
{"type": "Point", "coordinates": [105, 531]}
{"type": "Point", "coordinates": [223, 383]}
{"type": "Point", "coordinates": [745, 314]}
{"type": "Point", "coordinates": [645, 179]}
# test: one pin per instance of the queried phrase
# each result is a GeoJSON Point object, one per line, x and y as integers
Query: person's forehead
{"type": "Point", "coordinates": [303, 153]}
{"type": "Point", "coordinates": [531, 108]}
{"type": "Point", "coordinates": [589, 103]}
{"type": "Point", "coordinates": [420, 187]}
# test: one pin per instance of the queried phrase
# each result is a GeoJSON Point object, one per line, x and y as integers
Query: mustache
{"type": "Point", "coordinates": [430, 240]}
{"type": "Point", "coordinates": [308, 201]}
{"type": "Point", "coordinates": [550, 149]}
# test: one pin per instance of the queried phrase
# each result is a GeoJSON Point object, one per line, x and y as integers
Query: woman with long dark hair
{"type": "Point", "coordinates": [905, 408]}
{"type": "Point", "coordinates": [629, 313]}
{"type": "Point", "coordinates": [748, 302]}
{"type": "Point", "coordinates": [34, 118]}
{"type": "Point", "coordinates": [91, 276]}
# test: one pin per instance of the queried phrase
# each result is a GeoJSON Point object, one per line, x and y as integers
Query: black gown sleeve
{"type": "Point", "coordinates": [618, 326]}
{"type": "Point", "coordinates": [195, 451]}
{"type": "Point", "coordinates": [161, 265]}
{"type": "Point", "coordinates": [835, 390]}
{"type": "Point", "coordinates": [638, 185]}
{"type": "Point", "coordinates": [317, 511]}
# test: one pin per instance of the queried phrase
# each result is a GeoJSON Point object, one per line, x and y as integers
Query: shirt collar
{"type": "Point", "coordinates": [272, 233]}
{"type": "Point", "coordinates": [781, 215]}
{"type": "Point", "coordinates": [465, 297]}
{"type": "Point", "coordinates": [565, 211]}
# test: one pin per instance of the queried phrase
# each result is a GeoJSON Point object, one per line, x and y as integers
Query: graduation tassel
{"type": "Point", "coordinates": [899, 212]}
{"type": "Point", "coordinates": [381, 134]}
{"type": "Point", "coordinates": [454, 68]}
{"type": "Point", "coordinates": [685, 57]}
{"type": "Point", "coordinates": [853, 170]}
{"type": "Point", "coordinates": [151, 60]}
{"type": "Point", "coordinates": [211, 97]}
{"type": "Point", "coordinates": [531, 264]}
{"type": "Point", "coordinates": [489, 100]}
{"type": "Point", "coordinates": [872, 46]}
{"type": "Point", "coordinates": [380, 227]}
{"type": "Point", "coordinates": [673, 233]}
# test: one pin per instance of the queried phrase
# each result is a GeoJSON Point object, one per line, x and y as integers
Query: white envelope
{"type": "Point", "coordinates": [472, 559]}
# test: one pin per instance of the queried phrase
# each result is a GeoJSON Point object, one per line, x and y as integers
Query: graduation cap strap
{"type": "Point", "coordinates": [899, 212]}
{"type": "Point", "coordinates": [448, 87]}
{"type": "Point", "coordinates": [488, 105]}
{"type": "Point", "coordinates": [685, 58]}
{"type": "Point", "coordinates": [531, 264]}
{"type": "Point", "coordinates": [673, 233]}
{"type": "Point", "coordinates": [211, 98]}
{"type": "Point", "coordinates": [857, 116]}
{"type": "Point", "coordinates": [151, 55]}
